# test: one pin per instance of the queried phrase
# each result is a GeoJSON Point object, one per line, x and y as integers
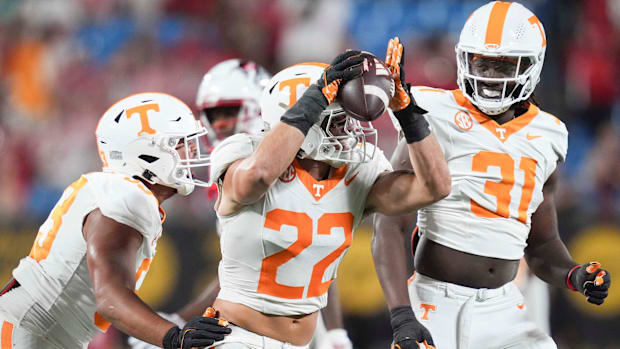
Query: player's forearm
{"type": "Point", "coordinates": [332, 313]}
{"type": "Point", "coordinates": [430, 167]}
{"type": "Point", "coordinates": [274, 154]}
{"type": "Point", "coordinates": [128, 313]}
{"type": "Point", "coordinates": [280, 146]}
{"type": "Point", "coordinates": [390, 258]}
{"type": "Point", "coordinates": [550, 261]}
{"type": "Point", "coordinates": [205, 299]}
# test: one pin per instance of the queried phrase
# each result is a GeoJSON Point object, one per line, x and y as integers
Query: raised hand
{"type": "Point", "coordinates": [344, 67]}
{"type": "Point", "coordinates": [394, 60]}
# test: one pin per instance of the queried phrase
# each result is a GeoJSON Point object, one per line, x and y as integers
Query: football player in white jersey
{"type": "Point", "coordinates": [228, 99]}
{"type": "Point", "coordinates": [502, 151]}
{"type": "Point", "coordinates": [289, 201]}
{"type": "Point", "coordinates": [96, 246]}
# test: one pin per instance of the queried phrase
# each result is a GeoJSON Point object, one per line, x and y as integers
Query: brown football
{"type": "Point", "coordinates": [366, 97]}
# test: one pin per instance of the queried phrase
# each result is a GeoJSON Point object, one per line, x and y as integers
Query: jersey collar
{"type": "Point", "coordinates": [503, 131]}
{"type": "Point", "coordinates": [318, 189]}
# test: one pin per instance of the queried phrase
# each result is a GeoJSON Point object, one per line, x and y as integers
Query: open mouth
{"type": "Point", "coordinates": [490, 90]}
{"type": "Point", "coordinates": [490, 93]}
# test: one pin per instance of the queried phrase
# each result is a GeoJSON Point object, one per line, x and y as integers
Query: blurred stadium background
{"type": "Point", "coordinates": [63, 62]}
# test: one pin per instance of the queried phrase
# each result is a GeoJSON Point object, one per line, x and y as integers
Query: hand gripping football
{"type": "Point", "coordinates": [366, 97]}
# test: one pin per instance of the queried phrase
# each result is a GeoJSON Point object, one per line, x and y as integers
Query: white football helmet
{"type": "Point", "coordinates": [506, 33]}
{"type": "Point", "coordinates": [336, 138]}
{"type": "Point", "coordinates": [139, 136]}
{"type": "Point", "coordinates": [233, 83]}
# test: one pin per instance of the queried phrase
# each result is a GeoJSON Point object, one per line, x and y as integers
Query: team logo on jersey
{"type": "Point", "coordinates": [427, 308]}
{"type": "Point", "coordinates": [501, 133]}
{"type": "Point", "coordinates": [531, 136]}
{"type": "Point", "coordinates": [289, 174]}
{"type": "Point", "coordinates": [463, 120]}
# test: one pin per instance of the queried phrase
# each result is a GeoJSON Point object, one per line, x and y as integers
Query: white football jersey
{"type": "Point", "coordinates": [498, 173]}
{"type": "Point", "coordinates": [280, 254]}
{"type": "Point", "coordinates": [56, 274]}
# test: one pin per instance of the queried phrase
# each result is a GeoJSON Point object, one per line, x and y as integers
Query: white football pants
{"type": "Point", "coordinates": [241, 338]}
{"type": "Point", "coordinates": [21, 321]}
{"type": "Point", "coordinates": [460, 317]}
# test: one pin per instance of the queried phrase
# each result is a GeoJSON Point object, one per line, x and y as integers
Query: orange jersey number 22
{"type": "Point", "coordinates": [274, 220]}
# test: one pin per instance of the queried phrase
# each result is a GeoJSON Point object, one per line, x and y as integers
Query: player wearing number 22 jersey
{"type": "Point", "coordinates": [289, 202]}
{"type": "Point", "coordinates": [502, 152]}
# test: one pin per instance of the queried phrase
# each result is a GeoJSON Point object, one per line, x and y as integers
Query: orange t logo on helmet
{"type": "Point", "coordinates": [144, 120]}
{"type": "Point", "coordinates": [292, 85]}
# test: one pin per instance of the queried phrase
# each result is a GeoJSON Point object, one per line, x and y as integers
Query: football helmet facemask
{"type": "Point", "coordinates": [156, 137]}
{"type": "Point", "coordinates": [500, 55]}
{"type": "Point", "coordinates": [336, 138]}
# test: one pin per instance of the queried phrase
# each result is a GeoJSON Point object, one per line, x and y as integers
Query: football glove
{"type": "Point", "coordinates": [308, 108]}
{"type": "Point", "coordinates": [394, 60]}
{"type": "Point", "coordinates": [407, 331]}
{"type": "Point", "coordinates": [198, 332]}
{"type": "Point", "coordinates": [136, 343]}
{"type": "Point", "coordinates": [345, 67]}
{"type": "Point", "coordinates": [590, 280]}
{"type": "Point", "coordinates": [409, 115]}
{"type": "Point", "coordinates": [335, 339]}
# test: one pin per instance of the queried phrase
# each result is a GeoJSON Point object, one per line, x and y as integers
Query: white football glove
{"type": "Point", "coordinates": [335, 339]}
{"type": "Point", "coordinates": [136, 343]}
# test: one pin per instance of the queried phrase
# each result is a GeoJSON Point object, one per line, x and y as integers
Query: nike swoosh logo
{"type": "Point", "coordinates": [348, 181]}
{"type": "Point", "coordinates": [530, 137]}
{"type": "Point", "coordinates": [520, 305]}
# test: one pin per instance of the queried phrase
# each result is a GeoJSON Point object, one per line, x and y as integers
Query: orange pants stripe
{"type": "Point", "coordinates": [6, 335]}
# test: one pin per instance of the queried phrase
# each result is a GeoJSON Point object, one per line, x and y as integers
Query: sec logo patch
{"type": "Point", "coordinates": [289, 174]}
{"type": "Point", "coordinates": [463, 121]}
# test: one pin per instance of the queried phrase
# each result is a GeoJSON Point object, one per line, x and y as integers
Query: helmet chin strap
{"type": "Point", "coordinates": [181, 188]}
{"type": "Point", "coordinates": [316, 156]}
{"type": "Point", "coordinates": [333, 162]}
{"type": "Point", "coordinates": [493, 111]}
{"type": "Point", "coordinates": [184, 188]}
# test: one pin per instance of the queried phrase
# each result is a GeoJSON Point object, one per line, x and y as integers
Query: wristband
{"type": "Point", "coordinates": [569, 284]}
{"type": "Point", "coordinates": [400, 315]}
{"type": "Point", "coordinates": [307, 110]}
{"type": "Point", "coordinates": [171, 337]}
{"type": "Point", "coordinates": [412, 122]}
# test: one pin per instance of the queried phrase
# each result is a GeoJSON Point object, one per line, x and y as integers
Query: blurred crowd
{"type": "Point", "coordinates": [63, 62]}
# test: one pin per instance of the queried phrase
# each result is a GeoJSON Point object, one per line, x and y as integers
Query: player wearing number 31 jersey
{"type": "Point", "coordinates": [290, 201]}
{"type": "Point", "coordinates": [498, 171]}
{"type": "Point", "coordinates": [502, 152]}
